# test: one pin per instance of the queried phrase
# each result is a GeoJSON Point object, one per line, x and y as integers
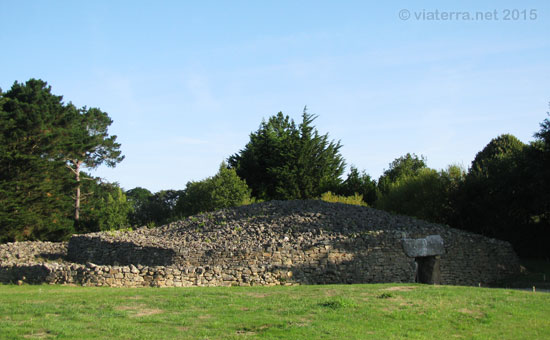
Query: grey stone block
{"type": "Point", "coordinates": [428, 246]}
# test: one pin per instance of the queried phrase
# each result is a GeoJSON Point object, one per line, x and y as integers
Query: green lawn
{"type": "Point", "coordinates": [380, 311]}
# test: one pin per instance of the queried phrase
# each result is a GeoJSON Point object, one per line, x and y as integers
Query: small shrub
{"type": "Point", "coordinates": [338, 303]}
{"type": "Point", "coordinates": [220, 223]}
{"type": "Point", "coordinates": [223, 190]}
{"type": "Point", "coordinates": [118, 231]}
{"type": "Point", "coordinates": [356, 199]}
{"type": "Point", "coordinates": [385, 296]}
{"type": "Point", "coordinates": [251, 200]}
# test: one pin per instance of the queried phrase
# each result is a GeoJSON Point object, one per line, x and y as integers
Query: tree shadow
{"type": "Point", "coordinates": [355, 260]}
{"type": "Point", "coordinates": [84, 249]}
{"type": "Point", "coordinates": [52, 257]}
{"type": "Point", "coordinates": [35, 274]}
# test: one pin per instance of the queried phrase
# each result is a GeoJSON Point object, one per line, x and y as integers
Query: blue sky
{"type": "Point", "coordinates": [186, 82]}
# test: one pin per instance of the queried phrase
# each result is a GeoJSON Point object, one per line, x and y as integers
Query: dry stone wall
{"type": "Point", "coordinates": [272, 243]}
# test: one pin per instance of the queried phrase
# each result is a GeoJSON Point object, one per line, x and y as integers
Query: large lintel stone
{"type": "Point", "coordinates": [429, 246]}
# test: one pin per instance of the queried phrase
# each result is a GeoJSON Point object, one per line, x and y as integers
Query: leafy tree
{"type": "Point", "coordinates": [105, 209]}
{"type": "Point", "coordinates": [501, 150]}
{"type": "Point", "coordinates": [153, 209]}
{"type": "Point", "coordinates": [505, 194]}
{"type": "Point", "coordinates": [359, 183]}
{"type": "Point", "coordinates": [163, 206]}
{"type": "Point", "coordinates": [138, 196]}
{"type": "Point", "coordinates": [285, 161]}
{"type": "Point", "coordinates": [491, 200]}
{"type": "Point", "coordinates": [223, 190]}
{"type": "Point", "coordinates": [540, 153]}
{"type": "Point", "coordinates": [139, 199]}
{"type": "Point", "coordinates": [453, 178]}
{"type": "Point", "coordinates": [531, 238]}
{"type": "Point", "coordinates": [544, 133]}
{"type": "Point", "coordinates": [404, 166]}
{"type": "Point", "coordinates": [426, 195]}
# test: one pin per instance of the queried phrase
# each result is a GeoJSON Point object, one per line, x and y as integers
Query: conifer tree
{"type": "Point", "coordinates": [33, 183]}
{"type": "Point", "coordinates": [87, 144]}
{"type": "Point", "coordinates": [285, 161]}
{"type": "Point", "coordinates": [40, 136]}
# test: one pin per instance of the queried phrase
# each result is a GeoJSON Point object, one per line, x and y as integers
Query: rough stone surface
{"type": "Point", "coordinates": [271, 243]}
{"type": "Point", "coordinates": [430, 245]}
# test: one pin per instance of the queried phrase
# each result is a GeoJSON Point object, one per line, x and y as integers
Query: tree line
{"type": "Point", "coordinates": [47, 146]}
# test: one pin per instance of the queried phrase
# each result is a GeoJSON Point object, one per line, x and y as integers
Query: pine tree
{"type": "Point", "coordinates": [87, 144]}
{"type": "Point", "coordinates": [40, 136]}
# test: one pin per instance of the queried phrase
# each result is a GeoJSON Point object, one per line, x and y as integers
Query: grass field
{"type": "Point", "coordinates": [380, 311]}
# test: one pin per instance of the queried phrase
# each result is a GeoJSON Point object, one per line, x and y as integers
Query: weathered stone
{"type": "Point", "coordinates": [428, 246]}
{"type": "Point", "coordinates": [275, 243]}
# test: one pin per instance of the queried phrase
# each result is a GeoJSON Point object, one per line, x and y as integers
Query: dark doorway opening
{"type": "Point", "coordinates": [427, 270]}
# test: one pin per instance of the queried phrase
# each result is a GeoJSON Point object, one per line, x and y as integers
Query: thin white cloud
{"type": "Point", "coordinates": [201, 94]}
{"type": "Point", "coordinates": [182, 140]}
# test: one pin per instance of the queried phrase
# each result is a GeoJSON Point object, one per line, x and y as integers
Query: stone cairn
{"type": "Point", "coordinates": [271, 243]}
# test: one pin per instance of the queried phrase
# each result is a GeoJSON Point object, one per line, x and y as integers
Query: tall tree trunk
{"type": "Point", "coordinates": [77, 197]}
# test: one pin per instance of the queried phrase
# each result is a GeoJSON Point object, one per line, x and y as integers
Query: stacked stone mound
{"type": "Point", "coordinates": [34, 262]}
{"type": "Point", "coordinates": [277, 242]}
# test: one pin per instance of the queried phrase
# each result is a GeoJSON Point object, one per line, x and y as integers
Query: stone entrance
{"type": "Point", "coordinates": [426, 252]}
{"type": "Point", "coordinates": [427, 270]}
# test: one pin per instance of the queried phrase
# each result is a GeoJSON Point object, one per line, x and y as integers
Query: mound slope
{"type": "Point", "coordinates": [277, 242]}
{"type": "Point", "coordinates": [301, 241]}
{"type": "Point", "coordinates": [274, 224]}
